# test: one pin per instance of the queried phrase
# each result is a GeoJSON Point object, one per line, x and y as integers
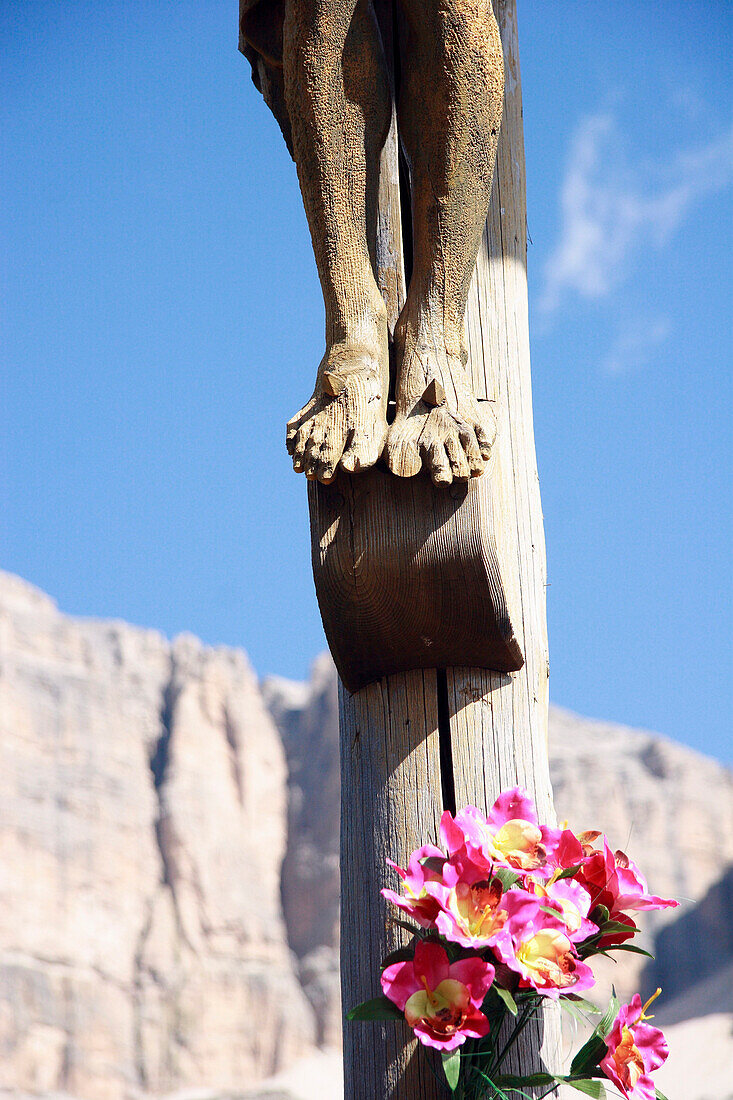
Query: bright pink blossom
{"type": "Point", "coordinates": [572, 902]}
{"type": "Point", "coordinates": [634, 1051]}
{"type": "Point", "coordinates": [613, 880]}
{"type": "Point", "coordinates": [510, 836]}
{"type": "Point", "coordinates": [441, 1000]}
{"type": "Point", "coordinates": [536, 946]}
{"type": "Point", "coordinates": [415, 901]}
{"type": "Point", "coordinates": [564, 849]}
{"type": "Point", "coordinates": [474, 908]}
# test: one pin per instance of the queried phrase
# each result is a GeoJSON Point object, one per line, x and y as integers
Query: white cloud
{"type": "Point", "coordinates": [635, 343]}
{"type": "Point", "coordinates": [611, 210]}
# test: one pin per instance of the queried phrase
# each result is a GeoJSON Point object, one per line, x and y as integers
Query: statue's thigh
{"type": "Point", "coordinates": [328, 16]}
{"type": "Point", "coordinates": [435, 16]}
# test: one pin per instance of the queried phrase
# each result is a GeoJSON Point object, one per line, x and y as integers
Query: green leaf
{"type": "Point", "coordinates": [593, 1050]}
{"type": "Point", "coordinates": [578, 1007]}
{"type": "Point", "coordinates": [659, 1095]}
{"type": "Point", "coordinates": [589, 1054]}
{"type": "Point", "coordinates": [505, 996]}
{"type": "Point", "coordinates": [506, 877]}
{"type": "Point", "coordinates": [604, 1024]}
{"type": "Point", "coordinates": [452, 1068]}
{"type": "Point", "coordinates": [568, 872]}
{"type": "Point", "coordinates": [552, 912]}
{"type": "Point", "coordinates": [532, 1080]}
{"type": "Point", "coordinates": [628, 947]}
{"type": "Point", "coordinates": [589, 1085]}
{"type": "Point", "coordinates": [600, 915]}
{"type": "Point", "coordinates": [434, 863]}
{"type": "Point", "coordinates": [403, 954]}
{"type": "Point", "coordinates": [379, 1008]}
{"type": "Point", "coordinates": [616, 926]}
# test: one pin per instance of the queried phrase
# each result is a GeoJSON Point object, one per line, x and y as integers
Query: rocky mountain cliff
{"type": "Point", "coordinates": [169, 855]}
{"type": "Point", "coordinates": [143, 823]}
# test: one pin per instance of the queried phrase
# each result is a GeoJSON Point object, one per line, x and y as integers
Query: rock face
{"type": "Point", "coordinates": [307, 717]}
{"type": "Point", "coordinates": [668, 807]}
{"type": "Point", "coordinates": [169, 836]}
{"type": "Point", "coordinates": [142, 829]}
{"type": "Point", "coordinates": [698, 979]}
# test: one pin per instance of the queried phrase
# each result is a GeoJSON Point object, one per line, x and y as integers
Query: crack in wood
{"type": "Point", "coordinates": [447, 777]}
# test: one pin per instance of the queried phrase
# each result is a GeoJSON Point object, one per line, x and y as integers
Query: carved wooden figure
{"type": "Point", "coordinates": [322, 67]}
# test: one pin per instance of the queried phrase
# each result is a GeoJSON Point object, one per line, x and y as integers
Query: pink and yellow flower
{"type": "Point", "coordinates": [536, 946]}
{"type": "Point", "coordinates": [473, 905]}
{"type": "Point", "coordinates": [416, 901]}
{"type": "Point", "coordinates": [572, 902]}
{"type": "Point", "coordinates": [441, 1000]}
{"type": "Point", "coordinates": [634, 1051]}
{"type": "Point", "coordinates": [564, 849]}
{"type": "Point", "coordinates": [510, 836]}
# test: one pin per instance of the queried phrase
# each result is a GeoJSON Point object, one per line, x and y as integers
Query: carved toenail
{"type": "Point", "coordinates": [434, 394]}
{"type": "Point", "coordinates": [333, 384]}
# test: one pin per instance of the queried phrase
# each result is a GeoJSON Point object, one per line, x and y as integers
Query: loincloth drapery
{"type": "Point", "coordinates": [261, 42]}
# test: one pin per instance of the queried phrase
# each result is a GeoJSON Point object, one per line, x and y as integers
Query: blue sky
{"type": "Point", "coordinates": [162, 319]}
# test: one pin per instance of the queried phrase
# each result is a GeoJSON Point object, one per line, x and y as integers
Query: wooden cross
{"type": "Point", "coordinates": [433, 602]}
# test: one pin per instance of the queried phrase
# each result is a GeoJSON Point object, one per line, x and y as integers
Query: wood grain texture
{"type": "Point", "coordinates": [407, 576]}
{"type": "Point", "coordinates": [390, 766]}
{"type": "Point", "coordinates": [390, 752]}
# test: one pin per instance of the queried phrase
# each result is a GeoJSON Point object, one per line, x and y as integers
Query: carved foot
{"type": "Point", "coordinates": [438, 424]}
{"type": "Point", "coordinates": [344, 423]}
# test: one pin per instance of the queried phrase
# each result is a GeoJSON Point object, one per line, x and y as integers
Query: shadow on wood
{"type": "Point", "coordinates": [407, 576]}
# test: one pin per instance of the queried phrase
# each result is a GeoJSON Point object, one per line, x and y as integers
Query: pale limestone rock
{"type": "Point", "coordinates": [142, 828]}
{"type": "Point", "coordinates": [307, 717]}
{"type": "Point", "coordinates": [668, 807]}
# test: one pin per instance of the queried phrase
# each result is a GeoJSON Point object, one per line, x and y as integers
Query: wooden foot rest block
{"type": "Point", "coordinates": [407, 576]}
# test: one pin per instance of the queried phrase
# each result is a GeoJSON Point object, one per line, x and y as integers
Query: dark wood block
{"type": "Point", "coordinates": [407, 576]}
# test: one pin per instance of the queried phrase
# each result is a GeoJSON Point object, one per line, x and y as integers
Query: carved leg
{"type": "Point", "coordinates": [338, 101]}
{"type": "Point", "coordinates": [449, 115]}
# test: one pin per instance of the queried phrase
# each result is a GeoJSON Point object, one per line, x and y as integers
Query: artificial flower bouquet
{"type": "Point", "coordinates": [511, 913]}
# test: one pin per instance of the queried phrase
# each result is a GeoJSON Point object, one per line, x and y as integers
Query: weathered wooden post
{"type": "Point", "coordinates": [433, 602]}
{"type": "Point", "coordinates": [417, 742]}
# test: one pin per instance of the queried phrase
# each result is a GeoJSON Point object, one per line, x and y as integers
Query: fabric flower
{"type": "Point", "coordinates": [564, 849]}
{"type": "Point", "coordinates": [634, 1050]}
{"type": "Point", "coordinates": [441, 1000]}
{"type": "Point", "coordinates": [536, 946]}
{"type": "Point", "coordinates": [572, 902]}
{"type": "Point", "coordinates": [415, 901]}
{"type": "Point", "coordinates": [473, 907]}
{"type": "Point", "coordinates": [613, 880]}
{"type": "Point", "coordinates": [510, 836]}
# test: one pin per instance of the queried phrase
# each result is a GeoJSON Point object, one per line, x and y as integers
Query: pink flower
{"type": "Point", "coordinates": [473, 905]}
{"type": "Point", "coordinates": [572, 902]}
{"type": "Point", "coordinates": [613, 880]}
{"type": "Point", "coordinates": [634, 1050]}
{"type": "Point", "coordinates": [510, 836]}
{"type": "Point", "coordinates": [536, 946]}
{"type": "Point", "coordinates": [441, 1000]}
{"type": "Point", "coordinates": [416, 901]}
{"type": "Point", "coordinates": [564, 849]}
